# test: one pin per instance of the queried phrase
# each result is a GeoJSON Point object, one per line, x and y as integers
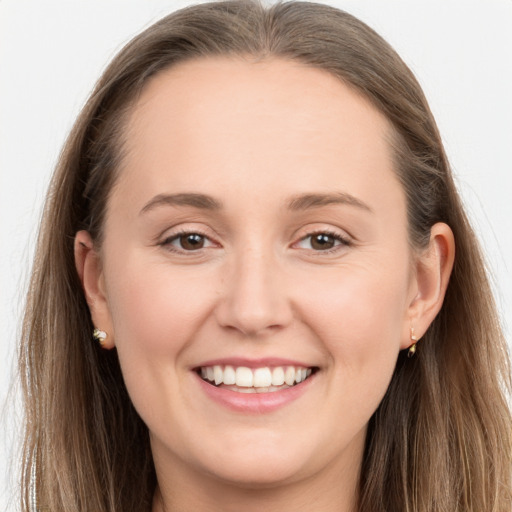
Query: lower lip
{"type": "Point", "coordinates": [256, 403]}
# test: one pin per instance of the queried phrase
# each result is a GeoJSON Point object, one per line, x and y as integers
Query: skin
{"type": "Point", "coordinates": [255, 136]}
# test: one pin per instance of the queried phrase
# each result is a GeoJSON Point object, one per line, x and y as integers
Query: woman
{"type": "Point", "coordinates": [263, 289]}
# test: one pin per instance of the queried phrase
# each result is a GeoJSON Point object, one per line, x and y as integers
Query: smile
{"type": "Point", "coordinates": [242, 379]}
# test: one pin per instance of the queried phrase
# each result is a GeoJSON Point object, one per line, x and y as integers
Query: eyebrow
{"type": "Point", "coordinates": [200, 201]}
{"type": "Point", "coordinates": [297, 203]}
{"type": "Point", "coordinates": [307, 201]}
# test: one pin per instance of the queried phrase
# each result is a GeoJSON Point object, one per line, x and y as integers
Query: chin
{"type": "Point", "coordinates": [261, 465]}
{"type": "Point", "coordinates": [259, 475]}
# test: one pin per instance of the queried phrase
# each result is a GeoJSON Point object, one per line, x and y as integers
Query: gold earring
{"type": "Point", "coordinates": [101, 336]}
{"type": "Point", "coordinates": [412, 348]}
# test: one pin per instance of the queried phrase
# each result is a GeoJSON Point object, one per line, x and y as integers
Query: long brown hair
{"type": "Point", "coordinates": [441, 438]}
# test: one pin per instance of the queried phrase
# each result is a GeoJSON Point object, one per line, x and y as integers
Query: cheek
{"type": "Point", "coordinates": [154, 305]}
{"type": "Point", "coordinates": [358, 305]}
{"type": "Point", "coordinates": [359, 321]}
{"type": "Point", "coordinates": [156, 310]}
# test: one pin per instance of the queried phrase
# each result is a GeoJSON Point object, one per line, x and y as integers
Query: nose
{"type": "Point", "coordinates": [254, 296]}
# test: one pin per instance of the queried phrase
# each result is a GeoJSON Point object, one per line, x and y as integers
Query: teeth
{"type": "Point", "coordinates": [217, 374]}
{"type": "Point", "coordinates": [246, 390]}
{"type": "Point", "coordinates": [289, 375]}
{"type": "Point", "coordinates": [261, 380]}
{"type": "Point", "coordinates": [277, 376]}
{"type": "Point", "coordinates": [229, 375]}
{"type": "Point", "coordinates": [244, 377]}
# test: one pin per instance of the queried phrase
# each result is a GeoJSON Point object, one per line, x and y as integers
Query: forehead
{"type": "Point", "coordinates": [211, 90]}
{"type": "Point", "coordinates": [226, 119]}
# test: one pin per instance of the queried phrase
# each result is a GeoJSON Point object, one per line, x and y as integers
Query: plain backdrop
{"type": "Point", "coordinates": [52, 52]}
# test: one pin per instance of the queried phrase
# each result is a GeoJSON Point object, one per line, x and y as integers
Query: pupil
{"type": "Point", "coordinates": [192, 241]}
{"type": "Point", "coordinates": [322, 241]}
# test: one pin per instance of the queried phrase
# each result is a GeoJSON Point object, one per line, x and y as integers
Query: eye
{"type": "Point", "coordinates": [322, 241]}
{"type": "Point", "coordinates": [187, 242]}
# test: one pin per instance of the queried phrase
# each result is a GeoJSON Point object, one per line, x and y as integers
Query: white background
{"type": "Point", "coordinates": [52, 52]}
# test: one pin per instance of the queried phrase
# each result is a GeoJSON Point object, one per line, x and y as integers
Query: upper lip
{"type": "Point", "coordinates": [253, 363]}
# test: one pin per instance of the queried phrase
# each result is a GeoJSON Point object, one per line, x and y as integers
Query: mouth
{"type": "Point", "coordinates": [267, 379]}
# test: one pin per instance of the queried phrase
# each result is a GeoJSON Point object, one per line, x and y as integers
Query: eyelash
{"type": "Point", "coordinates": [167, 242]}
{"type": "Point", "coordinates": [343, 241]}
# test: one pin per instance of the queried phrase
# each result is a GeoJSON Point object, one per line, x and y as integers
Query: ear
{"type": "Point", "coordinates": [89, 268]}
{"type": "Point", "coordinates": [432, 269]}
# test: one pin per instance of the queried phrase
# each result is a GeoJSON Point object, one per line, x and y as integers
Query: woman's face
{"type": "Point", "coordinates": [257, 225]}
